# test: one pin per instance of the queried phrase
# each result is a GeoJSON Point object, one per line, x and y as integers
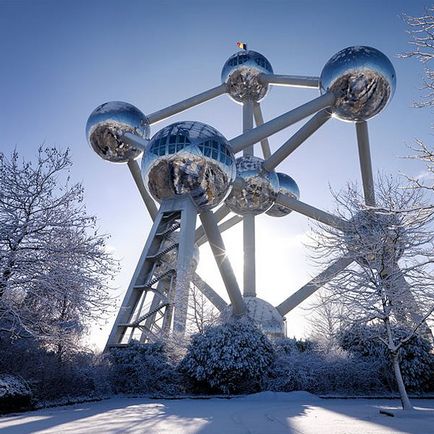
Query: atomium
{"type": "Point", "coordinates": [288, 187]}
{"type": "Point", "coordinates": [242, 74]}
{"type": "Point", "coordinates": [106, 126]}
{"type": "Point", "coordinates": [189, 158]}
{"type": "Point", "coordinates": [362, 79]}
{"type": "Point", "coordinates": [189, 168]}
{"type": "Point", "coordinates": [255, 189]}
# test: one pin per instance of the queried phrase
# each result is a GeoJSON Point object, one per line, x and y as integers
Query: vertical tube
{"type": "Point", "coordinates": [249, 287]}
{"type": "Point", "coordinates": [365, 162]}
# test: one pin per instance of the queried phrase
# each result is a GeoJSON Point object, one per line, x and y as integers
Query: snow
{"type": "Point", "coordinates": [271, 413]}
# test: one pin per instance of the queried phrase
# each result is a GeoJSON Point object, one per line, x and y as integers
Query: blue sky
{"type": "Point", "coordinates": [60, 59]}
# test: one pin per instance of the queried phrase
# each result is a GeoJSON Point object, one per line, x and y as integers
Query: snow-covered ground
{"type": "Point", "coordinates": [263, 413]}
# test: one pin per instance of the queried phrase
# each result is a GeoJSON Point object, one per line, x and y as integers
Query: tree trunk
{"type": "Point", "coordinates": [406, 404]}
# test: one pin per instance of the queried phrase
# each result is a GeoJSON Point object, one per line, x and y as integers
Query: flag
{"type": "Point", "coordinates": [242, 45]}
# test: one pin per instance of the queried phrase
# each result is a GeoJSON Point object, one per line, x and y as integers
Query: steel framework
{"type": "Point", "coordinates": [156, 300]}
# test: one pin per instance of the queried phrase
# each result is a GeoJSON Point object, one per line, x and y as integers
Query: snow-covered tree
{"type": "Point", "coordinates": [421, 31]}
{"type": "Point", "coordinates": [391, 281]}
{"type": "Point", "coordinates": [54, 266]}
{"type": "Point", "coordinates": [230, 358]}
{"type": "Point", "coordinates": [201, 312]}
{"type": "Point", "coordinates": [416, 358]}
{"type": "Point", "coordinates": [325, 321]}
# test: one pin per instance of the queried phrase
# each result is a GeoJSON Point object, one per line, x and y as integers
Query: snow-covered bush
{"type": "Point", "coordinates": [228, 358]}
{"type": "Point", "coordinates": [80, 374]}
{"type": "Point", "coordinates": [15, 393]}
{"type": "Point", "coordinates": [143, 368]}
{"type": "Point", "coordinates": [300, 365]}
{"type": "Point", "coordinates": [416, 358]}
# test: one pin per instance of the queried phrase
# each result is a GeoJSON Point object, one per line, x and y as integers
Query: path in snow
{"type": "Point", "coordinates": [264, 413]}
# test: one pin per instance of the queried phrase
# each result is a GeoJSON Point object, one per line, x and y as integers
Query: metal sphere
{"type": "Point", "coordinates": [288, 187]}
{"type": "Point", "coordinates": [106, 125]}
{"type": "Point", "coordinates": [362, 79]}
{"type": "Point", "coordinates": [375, 238]}
{"type": "Point", "coordinates": [264, 315]}
{"type": "Point", "coordinates": [255, 189]}
{"type": "Point", "coordinates": [241, 73]}
{"type": "Point", "coordinates": [189, 158]}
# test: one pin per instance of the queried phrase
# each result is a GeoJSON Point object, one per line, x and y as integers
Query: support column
{"type": "Point", "coordinates": [365, 162]}
{"type": "Point", "coordinates": [249, 287]}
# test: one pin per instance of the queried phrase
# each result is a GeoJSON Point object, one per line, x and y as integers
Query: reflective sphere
{"type": "Point", "coordinates": [106, 125]}
{"type": "Point", "coordinates": [288, 187]}
{"type": "Point", "coordinates": [362, 79]}
{"type": "Point", "coordinates": [189, 158]}
{"type": "Point", "coordinates": [255, 189]}
{"type": "Point", "coordinates": [265, 316]}
{"type": "Point", "coordinates": [241, 73]}
{"type": "Point", "coordinates": [376, 238]}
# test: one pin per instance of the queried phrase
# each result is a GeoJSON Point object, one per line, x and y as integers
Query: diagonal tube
{"type": "Point", "coordinates": [209, 293]}
{"type": "Point", "coordinates": [271, 127]}
{"type": "Point", "coordinates": [297, 139]}
{"type": "Point", "coordinates": [147, 199]}
{"type": "Point", "coordinates": [186, 104]}
{"type": "Point", "coordinates": [259, 120]}
{"type": "Point", "coordinates": [220, 214]}
{"type": "Point", "coordinates": [311, 287]}
{"type": "Point", "coordinates": [229, 223]}
{"type": "Point", "coordinates": [218, 248]}
{"type": "Point", "coordinates": [311, 212]}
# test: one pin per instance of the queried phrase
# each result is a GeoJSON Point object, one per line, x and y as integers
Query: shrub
{"type": "Point", "coordinates": [417, 360]}
{"type": "Point", "coordinates": [228, 358]}
{"type": "Point", "coordinates": [143, 368]}
{"type": "Point", "coordinates": [15, 393]}
{"type": "Point", "coordinates": [50, 378]}
{"type": "Point", "coordinates": [300, 365]}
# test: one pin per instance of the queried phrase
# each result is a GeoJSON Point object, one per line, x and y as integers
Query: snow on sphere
{"type": "Point", "coordinates": [106, 125]}
{"type": "Point", "coordinates": [255, 189]}
{"type": "Point", "coordinates": [189, 158]}
{"type": "Point", "coordinates": [242, 74]}
{"type": "Point", "coordinates": [363, 81]}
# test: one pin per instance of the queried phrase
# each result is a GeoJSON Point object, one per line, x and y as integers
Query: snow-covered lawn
{"type": "Point", "coordinates": [263, 413]}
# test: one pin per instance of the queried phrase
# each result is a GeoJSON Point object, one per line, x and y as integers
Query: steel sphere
{"type": "Point", "coordinates": [189, 158]}
{"type": "Point", "coordinates": [287, 187]}
{"type": "Point", "coordinates": [241, 73]}
{"type": "Point", "coordinates": [255, 189]}
{"type": "Point", "coordinates": [376, 238]}
{"type": "Point", "coordinates": [362, 79]}
{"type": "Point", "coordinates": [106, 125]}
{"type": "Point", "coordinates": [264, 315]}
